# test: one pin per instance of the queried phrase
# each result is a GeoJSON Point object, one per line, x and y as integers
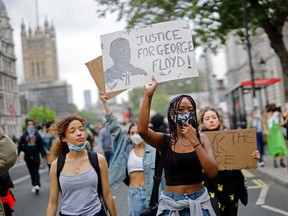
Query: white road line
{"type": "Point", "coordinates": [275, 210]}
{"type": "Point", "coordinates": [254, 187]}
{"type": "Point", "coordinates": [24, 178]}
{"type": "Point", "coordinates": [262, 196]}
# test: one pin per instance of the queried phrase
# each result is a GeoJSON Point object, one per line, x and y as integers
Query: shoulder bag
{"type": "Point", "coordinates": [152, 208]}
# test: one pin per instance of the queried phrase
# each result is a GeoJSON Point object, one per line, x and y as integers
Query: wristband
{"type": "Point", "coordinates": [197, 145]}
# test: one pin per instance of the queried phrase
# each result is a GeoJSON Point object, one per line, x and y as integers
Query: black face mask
{"type": "Point", "coordinates": [187, 117]}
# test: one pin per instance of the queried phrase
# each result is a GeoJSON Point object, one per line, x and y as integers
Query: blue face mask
{"type": "Point", "coordinates": [186, 117]}
{"type": "Point", "coordinates": [77, 148]}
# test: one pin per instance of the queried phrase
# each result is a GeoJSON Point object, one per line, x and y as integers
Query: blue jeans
{"type": "Point", "coordinates": [260, 145]}
{"type": "Point", "coordinates": [177, 197]}
{"type": "Point", "coordinates": [108, 155]}
{"type": "Point", "coordinates": [136, 200]}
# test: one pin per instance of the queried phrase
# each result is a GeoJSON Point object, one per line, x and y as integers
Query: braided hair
{"type": "Point", "coordinates": [172, 115]}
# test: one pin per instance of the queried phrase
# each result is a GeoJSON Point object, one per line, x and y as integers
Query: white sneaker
{"type": "Point", "coordinates": [36, 189]}
{"type": "Point", "coordinates": [261, 164]}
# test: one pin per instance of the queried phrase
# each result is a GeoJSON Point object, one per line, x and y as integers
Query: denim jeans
{"type": "Point", "coordinates": [260, 145]}
{"type": "Point", "coordinates": [177, 197]}
{"type": "Point", "coordinates": [136, 200]}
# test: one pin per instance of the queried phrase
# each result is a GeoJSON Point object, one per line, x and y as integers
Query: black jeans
{"type": "Point", "coordinates": [33, 164]}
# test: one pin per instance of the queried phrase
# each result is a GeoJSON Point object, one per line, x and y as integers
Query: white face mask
{"type": "Point", "coordinates": [136, 139]}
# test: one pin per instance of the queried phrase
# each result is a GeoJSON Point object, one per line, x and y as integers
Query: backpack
{"type": "Point", "coordinates": [8, 153]}
{"type": "Point", "coordinates": [93, 158]}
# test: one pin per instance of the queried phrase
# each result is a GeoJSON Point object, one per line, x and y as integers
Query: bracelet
{"type": "Point", "coordinates": [197, 145]}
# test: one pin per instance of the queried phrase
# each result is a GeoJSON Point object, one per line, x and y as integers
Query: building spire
{"type": "Point", "coordinates": [37, 13]}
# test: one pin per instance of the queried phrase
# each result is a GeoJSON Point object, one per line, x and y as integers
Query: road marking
{"type": "Point", "coordinates": [262, 195]}
{"type": "Point", "coordinates": [18, 164]}
{"type": "Point", "coordinates": [282, 212]}
{"type": "Point", "coordinates": [254, 187]}
{"type": "Point", "coordinates": [259, 182]}
{"type": "Point", "coordinates": [24, 178]}
{"type": "Point", "coordinates": [247, 174]}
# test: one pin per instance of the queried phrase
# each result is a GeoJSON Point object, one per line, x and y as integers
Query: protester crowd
{"type": "Point", "coordinates": [191, 183]}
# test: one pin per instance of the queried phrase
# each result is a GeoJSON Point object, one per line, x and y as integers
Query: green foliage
{"type": "Point", "coordinates": [42, 115]}
{"type": "Point", "coordinates": [161, 97]}
{"type": "Point", "coordinates": [212, 19]}
{"type": "Point", "coordinates": [187, 85]}
{"type": "Point", "coordinates": [136, 96]}
{"type": "Point", "coordinates": [160, 103]}
{"type": "Point", "coordinates": [90, 117]}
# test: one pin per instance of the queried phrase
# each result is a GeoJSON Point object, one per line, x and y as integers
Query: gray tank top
{"type": "Point", "coordinates": [79, 193]}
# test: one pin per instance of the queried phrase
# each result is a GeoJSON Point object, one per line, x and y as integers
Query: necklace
{"type": "Point", "coordinates": [76, 168]}
{"type": "Point", "coordinates": [184, 144]}
{"type": "Point", "coordinates": [77, 171]}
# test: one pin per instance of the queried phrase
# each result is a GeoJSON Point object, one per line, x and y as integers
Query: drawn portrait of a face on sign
{"type": "Point", "coordinates": [163, 50]}
{"type": "Point", "coordinates": [122, 69]}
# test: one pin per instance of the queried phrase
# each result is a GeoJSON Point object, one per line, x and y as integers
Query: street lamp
{"type": "Point", "coordinates": [255, 103]}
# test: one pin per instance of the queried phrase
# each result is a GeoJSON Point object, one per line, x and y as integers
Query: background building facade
{"type": "Point", "coordinates": [10, 119]}
{"type": "Point", "coordinates": [41, 86]}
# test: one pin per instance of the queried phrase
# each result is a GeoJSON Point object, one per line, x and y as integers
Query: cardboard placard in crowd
{"type": "Point", "coordinates": [95, 68]}
{"type": "Point", "coordinates": [233, 148]}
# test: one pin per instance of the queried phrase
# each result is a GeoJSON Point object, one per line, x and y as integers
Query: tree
{"type": "Point", "coordinates": [42, 115]}
{"type": "Point", "coordinates": [212, 19]}
{"type": "Point", "coordinates": [160, 103]}
{"type": "Point", "coordinates": [90, 117]}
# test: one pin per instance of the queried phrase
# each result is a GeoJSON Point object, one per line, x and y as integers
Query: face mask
{"type": "Point", "coordinates": [77, 148]}
{"type": "Point", "coordinates": [136, 139]}
{"type": "Point", "coordinates": [186, 117]}
{"type": "Point", "coordinates": [31, 130]}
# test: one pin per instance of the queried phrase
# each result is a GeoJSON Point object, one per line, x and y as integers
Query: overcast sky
{"type": "Point", "coordinates": [78, 31]}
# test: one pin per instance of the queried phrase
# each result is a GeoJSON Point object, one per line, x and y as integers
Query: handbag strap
{"type": "Point", "coordinates": [158, 171]}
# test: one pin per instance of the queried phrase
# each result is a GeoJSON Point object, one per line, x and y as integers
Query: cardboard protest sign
{"type": "Point", "coordinates": [95, 68]}
{"type": "Point", "coordinates": [233, 148]}
{"type": "Point", "coordinates": [131, 57]}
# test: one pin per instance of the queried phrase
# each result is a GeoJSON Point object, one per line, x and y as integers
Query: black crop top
{"type": "Point", "coordinates": [182, 168]}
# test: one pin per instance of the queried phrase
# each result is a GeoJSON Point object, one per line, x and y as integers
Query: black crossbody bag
{"type": "Point", "coordinates": [152, 208]}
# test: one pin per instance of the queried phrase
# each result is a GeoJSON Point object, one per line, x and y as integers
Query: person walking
{"type": "Point", "coordinates": [256, 122]}
{"type": "Point", "coordinates": [48, 141]}
{"type": "Point", "coordinates": [285, 122]}
{"type": "Point", "coordinates": [274, 136]}
{"type": "Point", "coordinates": [105, 143]}
{"type": "Point", "coordinates": [188, 155]}
{"type": "Point", "coordinates": [31, 143]}
{"type": "Point", "coordinates": [133, 162]}
{"type": "Point", "coordinates": [78, 181]}
{"type": "Point", "coordinates": [230, 185]}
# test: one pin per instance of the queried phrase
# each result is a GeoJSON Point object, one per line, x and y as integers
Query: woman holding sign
{"type": "Point", "coordinates": [230, 185]}
{"type": "Point", "coordinates": [133, 162]}
{"type": "Point", "coordinates": [188, 154]}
